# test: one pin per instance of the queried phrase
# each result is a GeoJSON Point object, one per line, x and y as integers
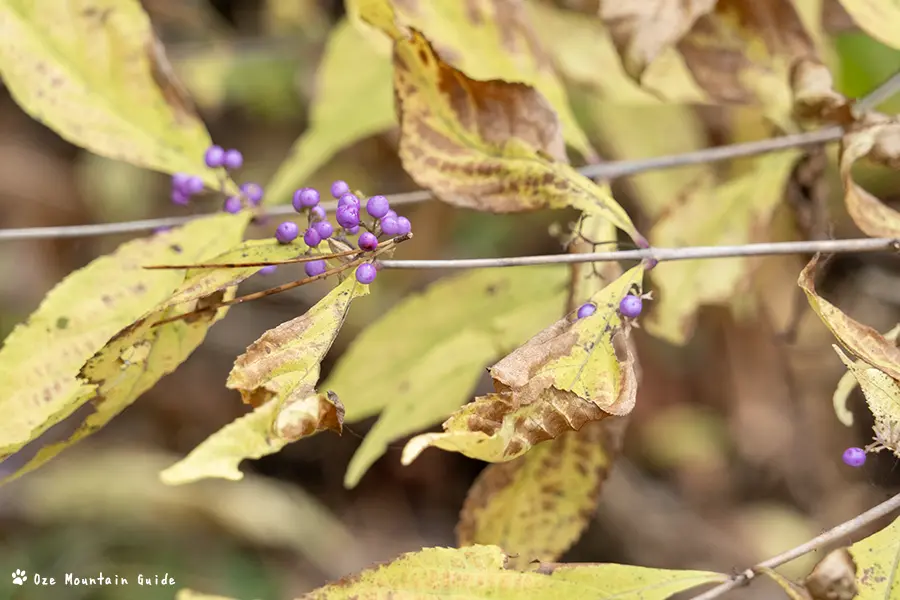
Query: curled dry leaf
{"type": "Point", "coordinates": [814, 95]}
{"type": "Point", "coordinates": [878, 138]}
{"type": "Point", "coordinates": [536, 506]}
{"type": "Point", "coordinates": [834, 577]}
{"type": "Point", "coordinates": [848, 383]}
{"type": "Point", "coordinates": [642, 29]}
{"type": "Point", "coordinates": [882, 394]}
{"type": "Point", "coordinates": [277, 375]}
{"type": "Point", "coordinates": [489, 145]}
{"type": "Point", "coordinates": [571, 373]}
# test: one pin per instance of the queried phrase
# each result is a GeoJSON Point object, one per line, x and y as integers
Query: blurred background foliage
{"type": "Point", "coordinates": [732, 455]}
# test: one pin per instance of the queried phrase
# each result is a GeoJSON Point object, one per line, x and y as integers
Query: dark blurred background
{"type": "Point", "coordinates": [732, 455]}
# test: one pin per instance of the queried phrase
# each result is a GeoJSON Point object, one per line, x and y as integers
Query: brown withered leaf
{"type": "Point", "coordinates": [876, 137]}
{"type": "Point", "coordinates": [814, 95]}
{"type": "Point", "coordinates": [536, 507]}
{"type": "Point", "coordinates": [834, 577]}
{"type": "Point", "coordinates": [318, 412]}
{"type": "Point", "coordinates": [489, 145]}
{"type": "Point", "coordinates": [642, 29]}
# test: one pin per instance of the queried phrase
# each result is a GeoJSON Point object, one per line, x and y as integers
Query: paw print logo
{"type": "Point", "coordinates": [18, 577]}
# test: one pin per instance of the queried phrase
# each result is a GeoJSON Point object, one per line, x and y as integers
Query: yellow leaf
{"type": "Point", "coordinates": [93, 71]}
{"type": "Point", "coordinates": [848, 383]}
{"type": "Point", "coordinates": [859, 339]}
{"type": "Point", "coordinates": [794, 590]}
{"type": "Point", "coordinates": [882, 394]}
{"type": "Point", "coordinates": [479, 572]}
{"type": "Point", "coordinates": [877, 559]}
{"type": "Point", "coordinates": [642, 29]}
{"type": "Point", "coordinates": [338, 115]}
{"type": "Point", "coordinates": [277, 375]}
{"type": "Point", "coordinates": [571, 373]}
{"type": "Point", "coordinates": [879, 139]}
{"type": "Point", "coordinates": [489, 145]}
{"type": "Point", "coordinates": [483, 314]}
{"type": "Point", "coordinates": [40, 359]}
{"type": "Point", "coordinates": [734, 212]}
{"type": "Point", "coordinates": [130, 364]}
{"type": "Point", "coordinates": [878, 18]}
{"type": "Point", "coordinates": [537, 506]}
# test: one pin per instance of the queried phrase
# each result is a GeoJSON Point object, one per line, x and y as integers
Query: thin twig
{"type": "Point", "coordinates": [832, 535]}
{"type": "Point", "coordinates": [660, 254]}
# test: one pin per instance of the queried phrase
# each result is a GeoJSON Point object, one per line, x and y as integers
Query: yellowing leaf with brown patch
{"type": "Point", "coordinates": [848, 383]}
{"type": "Point", "coordinates": [737, 211]}
{"type": "Point", "coordinates": [488, 145]}
{"type": "Point", "coordinates": [861, 340]}
{"type": "Point", "coordinates": [481, 572]}
{"type": "Point", "coordinates": [882, 394]}
{"type": "Point", "coordinates": [41, 359]}
{"type": "Point", "coordinates": [571, 373]}
{"type": "Point", "coordinates": [642, 29]}
{"type": "Point", "coordinates": [877, 138]}
{"type": "Point", "coordinates": [93, 71]}
{"type": "Point", "coordinates": [536, 507]}
{"type": "Point", "coordinates": [877, 559]}
{"type": "Point", "coordinates": [277, 375]}
{"type": "Point", "coordinates": [878, 18]}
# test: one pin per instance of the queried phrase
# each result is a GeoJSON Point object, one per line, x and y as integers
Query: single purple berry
{"type": "Point", "coordinates": [391, 214]}
{"type": "Point", "coordinates": [365, 273]}
{"type": "Point", "coordinates": [390, 226]}
{"type": "Point", "coordinates": [347, 216]}
{"type": "Point", "coordinates": [315, 267]}
{"type": "Point", "coordinates": [312, 237]}
{"type": "Point", "coordinates": [193, 185]}
{"type": "Point", "coordinates": [324, 229]}
{"type": "Point", "coordinates": [180, 198]}
{"type": "Point", "coordinates": [317, 213]}
{"type": "Point", "coordinates": [378, 206]}
{"type": "Point", "coordinates": [253, 192]}
{"type": "Point", "coordinates": [233, 159]}
{"type": "Point", "coordinates": [352, 230]}
{"type": "Point", "coordinates": [179, 180]}
{"type": "Point", "coordinates": [854, 457]}
{"type": "Point", "coordinates": [586, 310]}
{"type": "Point", "coordinates": [162, 229]}
{"type": "Point", "coordinates": [403, 226]}
{"type": "Point", "coordinates": [305, 198]}
{"type": "Point", "coordinates": [349, 200]}
{"type": "Point", "coordinates": [631, 306]}
{"type": "Point", "coordinates": [232, 205]}
{"type": "Point", "coordinates": [267, 270]}
{"type": "Point", "coordinates": [287, 232]}
{"type": "Point", "coordinates": [339, 188]}
{"type": "Point", "coordinates": [214, 157]}
{"type": "Point", "coordinates": [367, 241]}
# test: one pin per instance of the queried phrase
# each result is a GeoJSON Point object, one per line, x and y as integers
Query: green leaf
{"type": "Point", "coordinates": [278, 375]}
{"type": "Point", "coordinates": [40, 360]}
{"type": "Point", "coordinates": [93, 71]}
{"type": "Point", "coordinates": [877, 560]}
{"type": "Point", "coordinates": [348, 72]}
{"type": "Point", "coordinates": [482, 314]}
{"type": "Point", "coordinates": [480, 572]}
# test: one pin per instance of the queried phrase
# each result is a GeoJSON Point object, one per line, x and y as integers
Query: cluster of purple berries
{"type": "Point", "coordinates": [185, 186]}
{"type": "Point", "coordinates": [629, 307]}
{"type": "Point", "coordinates": [385, 222]}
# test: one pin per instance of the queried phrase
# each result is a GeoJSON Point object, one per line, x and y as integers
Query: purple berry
{"type": "Point", "coordinates": [324, 229]}
{"type": "Point", "coordinates": [312, 237]}
{"type": "Point", "coordinates": [352, 230]}
{"type": "Point", "coordinates": [180, 198]}
{"type": "Point", "coordinates": [403, 226]}
{"type": "Point", "coordinates": [586, 310]}
{"type": "Point", "coordinates": [365, 273]}
{"type": "Point", "coordinates": [253, 192]}
{"type": "Point", "coordinates": [631, 306]}
{"type": "Point", "coordinates": [233, 159]}
{"type": "Point", "coordinates": [179, 180]}
{"type": "Point", "coordinates": [854, 457]}
{"type": "Point", "coordinates": [391, 214]}
{"type": "Point", "coordinates": [214, 157]}
{"type": "Point", "coordinates": [162, 229]}
{"type": "Point", "coordinates": [317, 213]}
{"type": "Point", "coordinates": [287, 232]}
{"type": "Point", "coordinates": [378, 206]}
{"type": "Point", "coordinates": [347, 216]}
{"type": "Point", "coordinates": [349, 199]}
{"type": "Point", "coordinates": [367, 241]}
{"type": "Point", "coordinates": [267, 270]}
{"type": "Point", "coordinates": [305, 198]}
{"type": "Point", "coordinates": [339, 188]}
{"type": "Point", "coordinates": [193, 185]}
{"type": "Point", "coordinates": [232, 205]}
{"type": "Point", "coordinates": [315, 267]}
{"type": "Point", "coordinates": [390, 226]}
